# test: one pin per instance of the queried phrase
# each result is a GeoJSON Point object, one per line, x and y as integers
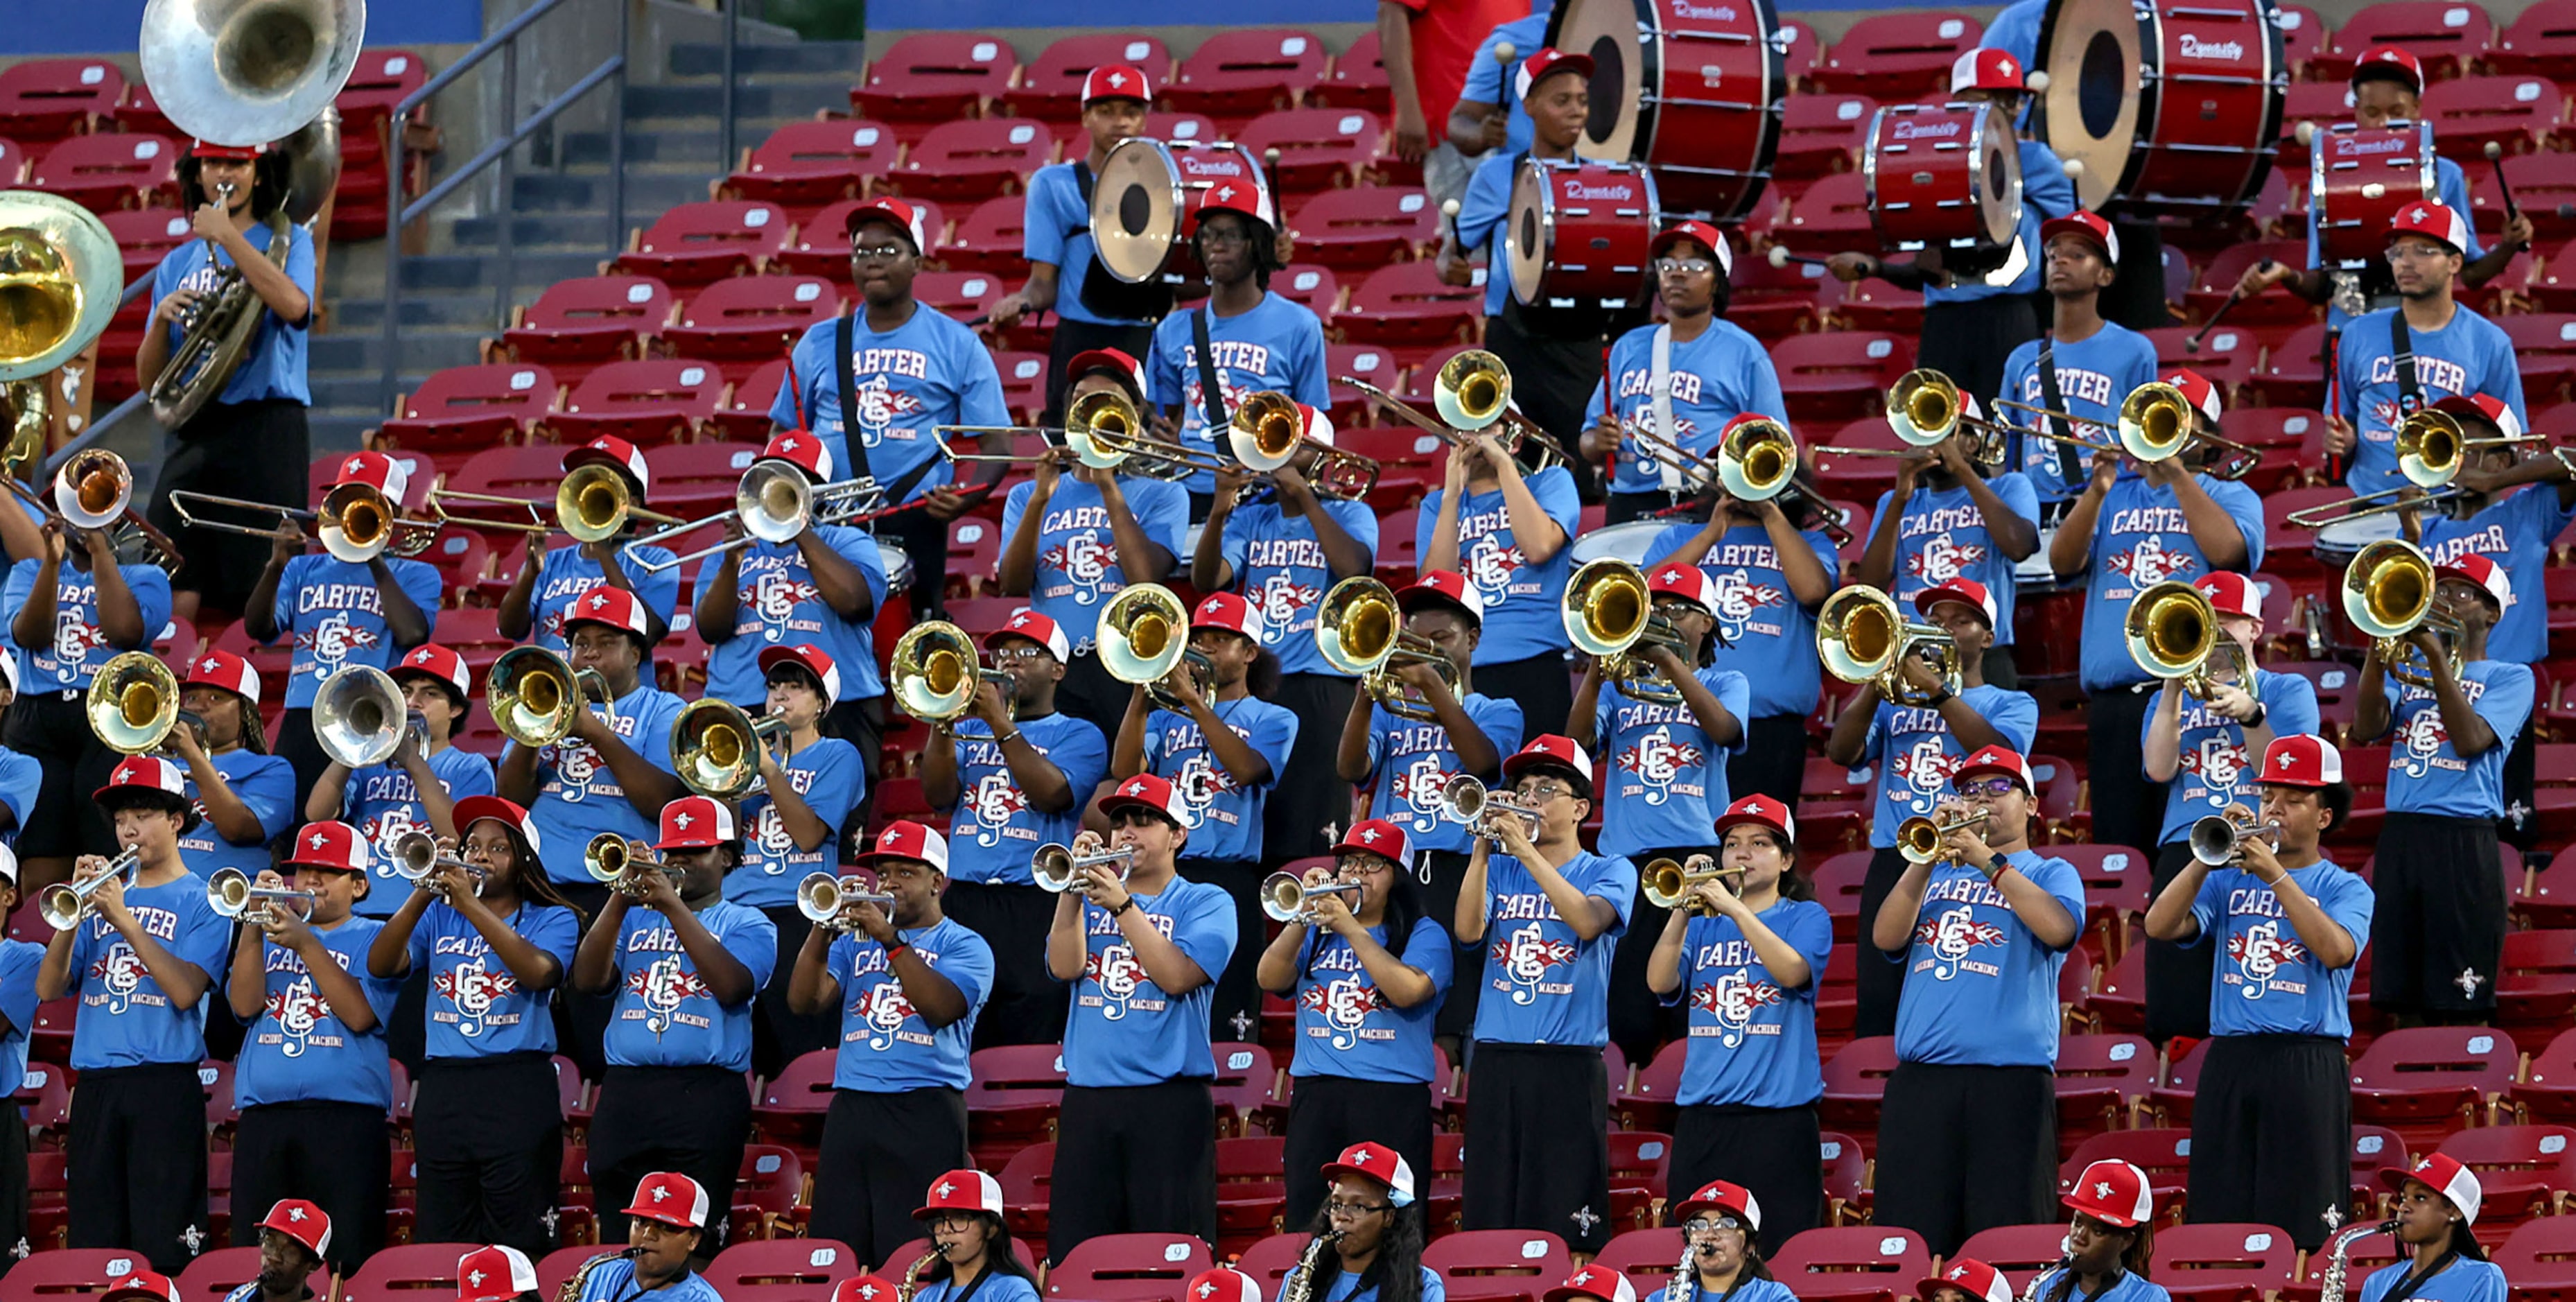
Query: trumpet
{"type": "Point", "coordinates": [1757, 460]}
{"type": "Point", "coordinates": [63, 904]}
{"type": "Point", "coordinates": [1466, 800]}
{"type": "Point", "coordinates": [1608, 615]}
{"type": "Point", "coordinates": [2173, 634]}
{"type": "Point", "coordinates": [133, 702]}
{"type": "Point", "coordinates": [231, 893]}
{"type": "Point", "coordinates": [2389, 591]}
{"type": "Point", "coordinates": [821, 897]}
{"type": "Point", "coordinates": [775, 502]}
{"type": "Point", "coordinates": [2155, 424]}
{"type": "Point", "coordinates": [2219, 839]}
{"type": "Point", "coordinates": [1360, 630]}
{"type": "Point", "coordinates": [1918, 839]}
{"type": "Point", "coordinates": [715, 747]}
{"type": "Point", "coordinates": [534, 695]}
{"type": "Point", "coordinates": [360, 715]}
{"type": "Point", "coordinates": [1143, 634]}
{"type": "Point", "coordinates": [357, 523]}
{"type": "Point", "coordinates": [417, 854]}
{"type": "Point", "coordinates": [1268, 432]}
{"type": "Point", "coordinates": [2432, 448]}
{"type": "Point", "coordinates": [1863, 638]}
{"type": "Point", "coordinates": [594, 503]}
{"type": "Point", "coordinates": [618, 863]}
{"type": "Point", "coordinates": [1058, 868]}
{"type": "Point", "coordinates": [1667, 885]}
{"type": "Point", "coordinates": [934, 672]}
{"type": "Point", "coordinates": [1287, 898]}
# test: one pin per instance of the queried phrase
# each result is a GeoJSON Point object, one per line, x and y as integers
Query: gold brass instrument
{"type": "Point", "coordinates": [579, 1283]}
{"type": "Point", "coordinates": [775, 502]}
{"type": "Point", "coordinates": [1299, 1286]}
{"type": "Point", "coordinates": [1466, 800]}
{"type": "Point", "coordinates": [2155, 424]}
{"type": "Point", "coordinates": [594, 503]}
{"type": "Point", "coordinates": [61, 279]}
{"type": "Point", "coordinates": [2339, 1254]}
{"type": "Point", "coordinates": [1863, 638]}
{"type": "Point", "coordinates": [910, 1284]}
{"type": "Point", "coordinates": [1097, 415]}
{"type": "Point", "coordinates": [63, 904]}
{"type": "Point", "coordinates": [356, 522]}
{"type": "Point", "coordinates": [821, 897]}
{"type": "Point", "coordinates": [1472, 390]}
{"type": "Point", "coordinates": [417, 854]}
{"type": "Point", "coordinates": [2389, 591]}
{"type": "Point", "coordinates": [1202, 672]}
{"type": "Point", "coordinates": [615, 862]}
{"type": "Point", "coordinates": [1057, 867]}
{"type": "Point", "coordinates": [2173, 634]}
{"type": "Point", "coordinates": [2219, 839]}
{"type": "Point", "coordinates": [1925, 408]}
{"type": "Point", "coordinates": [1287, 898]}
{"type": "Point", "coordinates": [133, 702]}
{"type": "Point", "coordinates": [934, 672]}
{"type": "Point", "coordinates": [95, 490]}
{"type": "Point", "coordinates": [1757, 460]}
{"type": "Point", "coordinates": [231, 893]}
{"type": "Point", "coordinates": [535, 695]}
{"type": "Point", "coordinates": [359, 716]}
{"type": "Point", "coordinates": [715, 747]}
{"type": "Point", "coordinates": [1609, 615]}
{"type": "Point", "coordinates": [1919, 838]}
{"type": "Point", "coordinates": [2432, 448]}
{"type": "Point", "coordinates": [1466, 385]}
{"type": "Point", "coordinates": [1667, 885]}
{"type": "Point", "coordinates": [1144, 633]}
{"type": "Point", "coordinates": [1360, 631]}
{"type": "Point", "coordinates": [1267, 433]}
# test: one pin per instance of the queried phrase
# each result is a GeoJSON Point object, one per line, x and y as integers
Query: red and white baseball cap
{"type": "Point", "coordinates": [1144, 791]}
{"type": "Point", "coordinates": [1703, 233]}
{"type": "Point", "coordinates": [672, 1199]}
{"type": "Point", "coordinates": [1222, 1284]}
{"type": "Point", "coordinates": [494, 1274]}
{"type": "Point", "coordinates": [1760, 811]}
{"type": "Point", "coordinates": [1377, 836]}
{"type": "Point", "coordinates": [233, 153]}
{"type": "Point", "coordinates": [1109, 359]}
{"type": "Point", "coordinates": [2446, 1177]}
{"type": "Point", "coordinates": [1689, 582]}
{"type": "Point", "coordinates": [2481, 407]}
{"type": "Point", "coordinates": [1599, 1283]}
{"type": "Point", "coordinates": [333, 845]}
{"type": "Point", "coordinates": [610, 450]}
{"type": "Point", "coordinates": [1719, 1196]}
{"type": "Point", "coordinates": [2388, 63]}
{"type": "Point", "coordinates": [963, 1190]}
{"type": "Point", "coordinates": [813, 659]}
{"type": "Point", "coordinates": [142, 1283]}
{"type": "Point", "coordinates": [2084, 225]}
{"type": "Point", "coordinates": [695, 823]}
{"type": "Point", "coordinates": [1967, 592]}
{"type": "Point", "coordinates": [801, 450]}
{"type": "Point", "coordinates": [1985, 69]}
{"type": "Point", "coordinates": [223, 669]}
{"type": "Point", "coordinates": [1229, 612]}
{"type": "Point", "coordinates": [304, 1222]}
{"type": "Point", "coordinates": [1027, 623]}
{"type": "Point", "coordinates": [1117, 81]}
{"type": "Point", "coordinates": [2231, 593]}
{"type": "Point", "coordinates": [373, 470]}
{"type": "Point", "coordinates": [904, 839]}
{"type": "Point", "coordinates": [474, 809]}
{"type": "Point", "coordinates": [865, 1288]}
{"type": "Point", "coordinates": [434, 661]}
{"type": "Point", "coordinates": [2489, 576]}
{"type": "Point", "coordinates": [895, 212]}
{"type": "Point", "coordinates": [1981, 1282]}
{"type": "Point", "coordinates": [2433, 220]}
{"type": "Point", "coordinates": [144, 773]}
{"type": "Point", "coordinates": [2198, 391]}
{"type": "Point", "coordinates": [1447, 586]}
{"type": "Point", "coordinates": [1545, 64]}
{"type": "Point", "coordinates": [1376, 1162]}
{"type": "Point", "coordinates": [1318, 425]}
{"type": "Point", "coordinates": [2113, 1192]}
{"type": "Point", "coordinates": [610, 605]}
{"type": "Point", "coordinates": [2301, 759]}
{"type": "Point", "coordinates": [1548, 748]}
{"type": "Point", "coordinates": [1997, 759]}
{"type": "Point", "coordinates": [1245, 195]}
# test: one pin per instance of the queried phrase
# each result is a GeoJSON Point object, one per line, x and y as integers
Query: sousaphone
{"type": "Point", "coordinates": [60, 280]}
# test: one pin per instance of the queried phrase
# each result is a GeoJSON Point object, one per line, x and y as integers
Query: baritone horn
{"type": "Point", "coordinates": [1925, 408]}
{"type": "Point", "coordinates": [133, 702]}
{"type": "Point", "coordinates": [716, 745]}
{"type": "Point", "coordinates": [1863, 638]}
{"type": "Point", "coordinates": [1757, 460]}
{"type": "Point", "coordinates": [934, 672]}
{"type": "Point", "coordinates": [1667, 885]}
{"type": "Point", "coordinates": [61, 278]}
{"type": "Point", "coordinates": [1918, 839]}
{"type": "Point", "coordinates": [231, 893]}
{"type": "Point", "coordinates": [535, 695]}
{"type": "Point", "coordinates": [2389, 592]}
{"type": "Point", "coordinates": [1144, 633]}
{"type": "Point", "coordinates": [1608, 613]}
{"type": "Point", "coordinates": [2173, 634]}
{"type": "Point", "coordinates": [1360, 631]}
{"type": "Point", "coordinates": [360, 715]}
{"type": "Point", "coordinates": [63, 904]}
{"type": "Point", "coordinates": [1287, 898]}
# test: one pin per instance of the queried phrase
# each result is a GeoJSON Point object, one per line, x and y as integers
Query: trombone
{"type": "Point", "coordinates": [1757, 460]}
{"type": "Point", "coordinates": [1095, 416]}
{"type": "Point", "coordinates": [2389, 591]}
{"type": "Point", "coordinates": [619, 864]}
{"type": "Point", "coordinates": [934, 672]}
{"type": "Point", "coordinates": [775, 502]}
{"type": "Point", "coordinates": [1472, 392]}
{"type": "Point", "coordinates": [133, 702]}
{"type": "Point", "coordinates": [594, 503]}
{"type": "Point", "coordinates": [2432, 448]}
{"type": "Point", "coordinates": [360, 715]}
{"type": "Point", "coordinates": [1609, 615]}
{"type": "Point", "coordinates": [1863, 638]}
{"type": "Point", "coordinates": [2173, 634]}
{"type": "Point", "coordinates": [357, 523]}
{"type": "Point", "coordinates": [2155, 424]}
{"type": "Point", "coordinates": [63, 904]}
{"type": "Point", "coordinates": [1287, 898]}
{"type": "Point", "coordinates": [1667, 885]}
{"type": "Point", "coordinates": [1267, 433]}
{"type": "Point", "coordinates": [95, 490]}
{"type": "Point", "coordinates": [1466, 800]}
{"type": "Point", "coordinates": [821, 897]}
{"type": "Point", "coordinates": [1925, 408]}
{"type": "Point", "coordinates": [1918, 839]}
{"type": "Point", "coordinates": [715, 747]}
{"type": "Point", "coordinates": [231, 893]}
{"type": "Point", "coordinates": [534, 695]}
{"type": "Point", "coordinates": [1360, 631]}
{"type": "Point", "coordinates": [417, 854]}
{"type": "Point", "coordinates": [1058, 868]}
{"type": "Point", "coordinates": [2219, 839]}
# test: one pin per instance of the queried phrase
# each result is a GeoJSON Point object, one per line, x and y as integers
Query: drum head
{"type": "Point", "coordinates": [1627, 542]}
{"type": "Point", "coordinates": [1608, 31]}
{"type": "Point", "coordinates": [1998, 176]}
{"type": "Point", "coordinates": [1527, 232]}
{"type": "Point", "coordinates": [897, 563]}
{"type": "Point", "coordinates": [1136, 207]}
{"type": "Point", "coordinates": [2091, 50]}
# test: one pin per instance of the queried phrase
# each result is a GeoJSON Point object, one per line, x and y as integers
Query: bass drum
{"type": "Point", "coordinates": [897, 563]}
{"type": "Point", "coordinates": [1943, 175]}
{"type": "Point", "coordinates": [1578, 233]}
{"type": "Point", "coordinates": [1146, 190]}
{"type": "Point", "coordinates": [2359, 177]}
{"type": "Point", "coordinates": [1692, 88]}
{"type": "Point", "coordinates": [2169, 108]}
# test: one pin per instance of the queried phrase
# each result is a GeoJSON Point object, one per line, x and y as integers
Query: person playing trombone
{"type": "Point", "coordinates": [2082, 366]}
{"type": "Point", "coordinates": [314, 1079]}
{"type": "Point", "coordinates": [809, 784]}
{"type": "Point", "coordinates": [903, 982]}
{"type": "Point", "coordinates": [1950, 516]}
{"type": "Point", "coordinates": [2446, 348]}
{"type": "Point", "coordinates": [248, 795]}
{"type": "Point", "coordinates": [532, 610]}
{"type": "Point", "coordinates": [1511, 533]}
{"type": "Point", "coordinates": [417, 789]}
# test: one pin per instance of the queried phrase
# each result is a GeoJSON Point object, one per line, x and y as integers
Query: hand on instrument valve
{"type": "Point", "coordinates": [173, 309]}
{"type": "Point", "coordinates": [2233, 701]}
{"type": "Point", "coordinates": [2255, 851]}
{"type": "Point", "coordinates": [212, 222]}
{"type": "Point", "coordinates": [1421, 676]}
{"type": "Point", "coordinates": [1331, 911]}
{"type": "Point", "coordinates": [108, 900]}
{"type": "Point", "coordinates": [1717, 896]}
{"type": "Point", "coordinates": [1510, 833]}
{"type": "Point", "coordinates": [2426, 640]}
{"type": "Point", "coordinates": [1602, 440]}
{"type": "Point", "coordinates": [1913, 466]}
{"type": "Point", "coordinates": [1293, 486]}
{"type": "Point", "coordinates": [1666, 661]}
{"type": "Point", "coordinates": [1230, 483]}
{"type": "Point", "coordinates": [1047, 473]}
{"type": "Point", "coordinates": [288, 542]}
{"type": "Point", "coordinates": [187, 741]}
{"type": "Point", "coordinates": [875, 923]}
{"type": "Point", "coordinates": [1967, 843]}
{"type": "Point", "coordinates": [284, 927]}
{"type": "Point", "coordinates": [652, 887]}
{"type": "Point", "coordinates": [1491, 449]}
{"type": "Point", "coordinates": [1922, 677]}
{"type": "Point", "coordinates": [1099, 881]}
{"type": "Point", "coordinates": [1179, 684]}
{"type": "Point", "coordinates": [1851, 268]}
{"type": "Point", "coordinates": [2340, 438]}
{"type": "Point", "coordinates": [450, 879]}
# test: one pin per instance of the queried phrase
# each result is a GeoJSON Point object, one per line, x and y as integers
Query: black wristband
{"type": "Point", "coordinates": [2260, 714]}
{"type": "Point", "coordinates": [1123, 906]}
{"type": "Point", "coordinates": [1943, 699]}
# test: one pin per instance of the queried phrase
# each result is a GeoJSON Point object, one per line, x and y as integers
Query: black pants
{"type": "Point", "coordinates": [1090, 694]}
{"type": "Point", "coordinates": [54, 730]}
{"type": "Point", "coordinates": [1551, 379]}
{"type": "Point", "coordinates": [407, 1031]}
{"type": "Point", "coordinates": [1775, 1152]}
{"type": "Point", "coordinates": [1071, 339]}
{"type": "Point", "coordinates": [1235, 1011]}
{"type": "Point", "coordinates": [2271, 1133]}
{"type": "Point", "coordinates": [1963, 1149]}
{"type": "Point", "coordinates": [880, 1154]}
{"type": "Point", "coordinates": [1539, 683]}
{"type": "Point", "coordinates": [2136, 298]}
{"type": "Point", "coordinates": [2127, 808]}
{"type": "Point", "coordinates": [136, 1162]}
{"type": "Point", "coordinates": [862, 724]}
{"type": "Point", "coordinates": [488, 1133]}
{"type": "Point", "coordinates": [2520, 771]}
{"type": "Point", "coordinates": [1027, 1006]}
{"type": "Point", "coordinates": [780, 1035]}
{"type": "Point", "coordinates": [256, 451]}
{"type": "Point", "coordinates": [1310, 797]}
{"type": "Point", "coordinates": [297, 745]}
{"type": "Point", "coordinates": [1774, 760]}
{"type": "Point", "coordinates": [1970, 340]}
{"type": "Point", "coordinates": [925, 541]}
{"type": "Point", "coordinates": [1538, 1145]}
{"type": "Point", "coordinates": [693, 1120]}
{"type": "Point", "coordinates": [335, 1154]}
{"type": "Point", "coordinates": [1640, 1023]}
{"type": "Point", "coordinates": [1882, 978]}
{"type": "Point", "coordinates": [1442, 873]}
{"type": "Point", "coordinates": [13, 1175]}
{"type": "Point", "coordinates": [2437, 933]}
{"type": "Point", "coordinates": [1327, 1114]}
{"type": "Point", "coordinates": [1131, 1159]}
{"type": "Point", "coordinates": [2178, 977]}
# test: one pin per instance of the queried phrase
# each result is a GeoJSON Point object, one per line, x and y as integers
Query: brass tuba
{"type": "Point", "coordinates": [60, 281]}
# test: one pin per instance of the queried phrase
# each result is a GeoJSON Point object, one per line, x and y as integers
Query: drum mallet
{"type": "Point", "coordinates": [2234, 296]}
{"type": "Point", "coordinates": [2495, 159]}
{"type": "Point", "coordinates": [1780, 256]}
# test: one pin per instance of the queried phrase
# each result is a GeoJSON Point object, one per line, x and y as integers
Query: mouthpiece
{"type": "Point", "coordinates": [2494, 151]}
{"type": "Point", "coordinates": [2306, 132]}
{"type": "Point", "coordinates": [1778, 256]}
{"type": "Point", "coordinates": [2037, 80]}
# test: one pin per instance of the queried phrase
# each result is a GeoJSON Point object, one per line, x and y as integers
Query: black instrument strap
{"type": "Point", "coordinates": [2415, 1279]}
{"type": "Point", "coordinates": [1210, 394]}
{"type": "Point", "coordinates": [2401, 344]}
{"type": "Point", "coordinates": [2070, 468]}
{"type": "Point", "coordinates": [843, 339]}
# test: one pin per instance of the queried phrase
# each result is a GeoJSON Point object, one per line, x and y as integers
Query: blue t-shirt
{"type": "Point", "coordinates": [1747, 1289]}
{"type": "Point", "coordinates": [2450, 186]}
{"type": "Point", "coordinates": [2094, 376]}
{"type": "Point", "coordinates": [299, 1050]}
{"type": "Point", "coordinates": [1078, 565]}
{"type": "Point", "coordinates": [613, 1280]}
{"type": "Point", "coordinates": [476, 1007]}
{"type": "Point", "coordinates": [886, 1048]}
{"type": "Point", "coordinates": [1917, 752]}
{"type": "Point", "coordinates": [2471, 355]}
{"type": "Point", "coordinates": [1520, 596]}
{"type": "Point", "coordinates": [1280, 568]}
{"type": "Point", "coordinates": [1058, 232]}
{"type": "Point", "coordinates": [2046, 193]}
{"type": "Point", "coordinates": [1942, 535]}
{"type": "Point", "coordinates": [1346, 1285]}
{"type": "Point", "coordinates": [1543, 984]}
{"type": "Point", "coordinates": [1222, 815]}
{"type": "Point", "coordinates": [22, 777]}
{"type": "Point", "coordinates": [2141, 540]}
{"type": "Point", "coordinates": [997, 1287]}
{"type": "Point", "coordinates": [665, 1016]}
{"type": "Point", "coordinates": [1487, 84]}
{"type": "Point", "coordinates": [1346, 1027]}
{"type": "Point", "coordinates": [2212, 767]}
{"type": "Point", "coordinates": [1752, 1039]}
{"type": "Point", "coordinates": [777, 604]}
{"type": "Point", "coordinates": [1484, 214]}
{"type": "Point", "coordinates": [1714, 378]}
{"type": "Point", "coordinates": [995, 829]}
{"type": "Point", "coordinates": [125, 1018]}
{"type": "Point", "coordinates": [273, 365]}
{"type": "Point", "coordinates": [579, 798]}
{"type": "Point", "coordinates": [1766, 635]}
{"type": "Point", "coordinates": [567, 574]}
{"type": "Point", "coordinates": [832, 779]}
{"type": "Point", "coordinates": [2425, 776]}
{"type": "Point", "coordinates": [2269, 983]}
{"type": "Point", "coordinates": [1412, 762]}
{"type": "Point", "coordinates": [79, 646]}
{"type": "Point", "coordinates": [927, 372]}
{"type": "Point", "coordinates": [1122, 1028]}
{"type": "Point", "coordinates": [1980, 988]}
{"type": "Point", "coordinates": [2463, 1281]}
{"type": "Point", "coordinates": [1279, 345]}
{"type": "Point", "coordinates": [2015, 31]}
{"type": "Point", "coordinates": [384, 804]}
{"type": "Point", "coordinates": [1663, 780]}
{"type": "Point", "coordinates": [2515, 533]}
{"type": "Point", "coordinates": [2132, 1287]}
{"type": "Point", "coordinates": [337, 617]}
{"type": "Point", "coordinates": [19, 960]}
{"type": "Point", "coordinates": [263, 783]}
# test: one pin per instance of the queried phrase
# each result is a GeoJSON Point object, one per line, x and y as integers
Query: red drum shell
{"type": "Point", "coordinates": [2360, 176]}
{"type": "Point", "coordinates": [1578, 232]}
{"type": "Point", "coordinates": [1945, 174]}
{"type": "Point", "coordinates": [2170, 110]}
{"type": "Point", "coordinates": [1692, 88]}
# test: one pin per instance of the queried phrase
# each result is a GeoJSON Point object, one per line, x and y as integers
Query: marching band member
{"type": "Point", "coordinates": [1968, 1134]}
{"type": "Point", "coordinates": [550, 577]}
{"type": "Point", "coordinates": [2199, 755]}
{"type": "Point", "coordinates": [809, 784]}
{"type": "Point", "coordinates": [417, 789]}
{"type": "Point", "coordinates": [1665, 778]}
{"type": "Point", "coordinates": [19, 963]}
{"type": "Point", "coordinates": [294, 1241]}
{"type": "Point", "coordinates": [2272, 1126]}
{"type": "Point", "coordinates": [1366, 971]}
{"type": "Point", "coordinates": [1093, 309]}
{"type": "Point", "coordinates": [2084, 366]}
{"type": "Point", "coordinates": [1951, 517]}
{"type": "Point", "coordinates": [1538, 1138]}
{"type": "Point", "coordinates": [666, 1235]}
{"type": "Point", "coordinates": [2437, 1206]}
{"type": "Point", "coordinates": [1068, 540]}
{"type": "Point", "coordinates": [141, 960]}
{"type": "Point", "coordinates": [313, 1080]}
{"type": "Point", "coordinates": [1017, 774]}
{"type": "Point", "coordinates": [1376, 1253]}
{"type": "Point", "coordinates": [1721, 1239]}
{"type": "Point", "coordinates": [1488, 116]}
{"type": "Point", "coordinates": [499, 1273]}
{"type": "Point", "coordinates": [891, 370]}
{"type": "Point", "coordinates": [1684, 379]}
{"type": "Point", "coordinates": [961, 1215]}
{"type": "Point", "coordinates": [2129, 530]}
{"type": "Point", "coordinates": [246, 794]}
{"type": "Point", "coordinates": [1771, 571]}
{"type": "Point", "coordinates": [683, 970]}
{"type": "Point", "coordinates": [1751, 953]}
{"type": "Point", "coordinates": [1223, 755]}
{"type": "Point", "coordinates": [906, 982]}
{"type": "Point", "coordinates": [496, 938]}
{"type": "Point", "coordinates": [1511, 534]}
{"type": "Point", "coordinates": [1919, 744]}
{"type": "Point", "coordinates": [1593, 1282]}
{"type": "Point", "coordinates": [2440, 877]}
{"type": "Point", "coordinates": [1140, 947]}
{"type": "Point", "coordinates": [2453, 350]}
{"type": "Point", "coordinates": [22, 777]}
{"type": "Point", "coordinates": [2110, 1240]}
{"type": "Point", "coordinates": [1965, 1279]}
{"type": "Point", "coordinates": [1284, 548]}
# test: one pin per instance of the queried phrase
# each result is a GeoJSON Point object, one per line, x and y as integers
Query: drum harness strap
{"type": "Point", "coordinates": [1659, 387]}
{"type": "Point", "coordinates": [2401, 347]}
{"type": "Point", "coordinates": [1211, 396]}
{"type": "Point", "coordinates": [2070, 469]}
{"type": "Point", "coordinates": [843, 331]}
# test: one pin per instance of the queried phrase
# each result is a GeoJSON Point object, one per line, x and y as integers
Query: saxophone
{"type": "Point", "coordinates": [573, 1288]}
{"type": "Point", "coordinates": [1685, 1285]}
{"type": "Point", "coordinates": [1301, 1281]}
{"type": "Point", "coordinates": [2339, 1252]}
{"type": "Point", "coordinates": [912, 1274]}
{"type": "Point", "coordinates": [2030, 1291]}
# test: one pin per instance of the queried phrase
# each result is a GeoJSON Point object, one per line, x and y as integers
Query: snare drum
{"type": "Point", "coordinates": [1943, 175]}
{"type": "Point", "coordinates": [2339, 542]}
{"type": "Point", "coordinates": [1627, 542]}
{"type": "Point", "coordinates": [1141, 202]}
{"type": "Point", "coordinates": [2170, 107]}
{"type": "Point", "coordinates": [2359, 177]}
{"type": "Point", "coordinates": [1689, 87]}
{"type": "Point", "coordinates": [897, 563]}
{"type": "Point", "coordinates": [1578, 233]}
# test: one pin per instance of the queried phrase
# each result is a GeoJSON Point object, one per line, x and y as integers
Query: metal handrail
{"type": "Point", "coordinates": [99, 426]}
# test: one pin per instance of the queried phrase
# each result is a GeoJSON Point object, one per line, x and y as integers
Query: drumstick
{"type": "Point", "coordinates": [1780, 256]}
{"type": "Point", "coordinates": [1503, 53]}
{"type": "Point", "coordinates": [2306, 133]}
{"type": "Point", "coordinates": [2234, 296]}
{"type": "Point", "coordinates": [2495, 159]}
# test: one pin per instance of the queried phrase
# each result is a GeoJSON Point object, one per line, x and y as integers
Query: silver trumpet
{"type": "Point", "coordinates": [1466, 800]}
{"type": "Point", "coordinates": [1058, 868]}
{"type": "Point", "coordinates": [821, 897]}
{"type": "Point", "coordinates": [416, 855]}
{"type": "Point", "coordinates": [1287, 898]}
{"type": "Point", "coordinates": [231, 893]}
{"type": "Point", "coordinates": [64, 904]}
{"type": "Point", "coordinates": [2218, 839]}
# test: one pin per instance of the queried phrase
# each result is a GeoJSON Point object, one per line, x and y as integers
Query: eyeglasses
{"type": "Point", "coordinates": [1985, 787]}
{"type": "Point", "coordinates": [1336, 1207]}
{"type": "Point", "coordinates": [1224, 235]}
{"type": "Point", "coordinates": [2405, 252]}
{"type": "Point", "coordinates": [1686, 266]}
{"type": "Point", "coordinates": [1008, 654]}
{"type": "Point", "coordinates": [1542, 792]}
{"type": "Point", "coordinates": [1711, 1225]}
{"type": "Point", "coordinates": [877, 252]}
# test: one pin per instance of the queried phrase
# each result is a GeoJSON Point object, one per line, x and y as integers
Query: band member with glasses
{"type": "Point", "coordinates": [809, 786]}
{"type": "Point", "coordinates": [1968, 1133]}
{"type": "Point", "coordinates": [906, 983]}
{"type": "Point", "coordinates": [550, 577]}
{"type": "Point", "coordinates": [2437, 1208]}
{"type": "Point", "coordinates": [1750, 947]}
{"type": "Point", "coordinates": [1721, 1227]}
{"type": "Point", "coordinates": [1093, 308]}
{"type": "Point", "coordinates": [1951, 517]}
{"type": "Point", "coordinates": [2110, 1240]}
{"type": "Point", "coordinates": [1369, 1205]}
{"type": "Point", "coordinates": [1365, 970]}
{"type": "Point", "coordinates": [496, 938]}
{"type": "Point", "coordinates": [246, 794]}
{"type": "Point", "coordinates": [2454, 351]}
{"type": "Point", "coordinates": [962, 1218]}
{"type": "Point", "coordinates": [1511, 534]}
{"type": "Point", "coordinates": [2084, 366]}
{"type": "Point", "coordinates": [414, 791]}
{"type": "Point", "coordinates": [2272, 1121]}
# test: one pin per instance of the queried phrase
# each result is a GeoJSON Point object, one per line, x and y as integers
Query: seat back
{"type": "Point", "coordinates": [983, 144]}
{"type": "Point", "coordinates": [520, 390]}
{"type": "Point", "coordinates": [2019, 1251]}
{"type": "Point", "coordinates": [43, 98]}
{"type": "Point", "coordinates": [2224, 1260]}
{"type": "Point", "coordinates": [782, 1270]}
{"type": "Point", "coordinates": [2445, 35]}
{"type": "Point", "coordinates": [762, 304]}
{"type": "Point", "coordinates": [1499, 1263]}
{"type": "Point", "coordinates": [1050, 88]}
{"type": "Point", "coordinates": [1645, 1256]}
{"type": "Point", "coordinates": [1246, 59]}
{"type": "Point", "coordinates": [62, 1273]}
{"type": "Point", "coordinates": [2421, 1057]}
{"type": "Point", "coordinates": [804, 1083]}
{"type": "Point", "coordinates": [2539, 1256]}
{"type": "Point", "coordinates": [833, 147]}
{"type": "Point", "coordinates": [749, 226]}
{"type": "Point", "coordinates": [408, 1270]}
{"type": "Point", "coordinates": [1851, 1261]}
{"type": "Point", "coordinates": [1128, 1268]}
{"type": "Point", "coordinates": [114, 171]}
{"type": "Point", "coordinates": [214, 1275]}
{"type": "Point", "coordinates": [687, 387]}
{"type": "Point", "coordinates": [1908, 52]}
{"type": "Point", "coordinates": [931, 75]}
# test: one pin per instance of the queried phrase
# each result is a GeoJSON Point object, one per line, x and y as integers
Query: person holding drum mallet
{"type": "Point", "coordinates": [2083, 367]}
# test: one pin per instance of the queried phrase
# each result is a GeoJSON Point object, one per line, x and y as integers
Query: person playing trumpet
{"type": "Point", "coordinates": [247, 794]}
{"type": "Point", "coordinates": [1722, 1250]}
{"type": "Point", "coordinates": [1952, 517]}
{"type": "Point", "coordinates": [417, 789]}
{"type": "Point", "coordinates": [1744, 957]}
{"type": "Point", "coordinates": [2083, 366]}
{"type": "Point", "coordinates": [905, 985]}
{"type": "Point", "coordinates": [314, 1079]}
{"type": "Point", "coordinates": [809, 787]}
{"type": "Point", "coordinates": [532, 609]}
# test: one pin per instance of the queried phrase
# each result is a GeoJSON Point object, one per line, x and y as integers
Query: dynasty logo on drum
{"type": "Point", "coordinates": [1954, 935]}
{"type": "Point", "coordinates": [1112, 980]}
{"type": "Point", "coordinates": [472, 990]}
{"type": "Point", "coordinates": [774, 589]}
{"type": "Point", "coordinates": [1730, 1001]}
{"type": "Point", "coordinates": [664, 987]}
{"type": "Point", "coordinates": [335, 639]}
{"type": "Point", "coordinates": [1525, 955]}
{"type": "Point", "coordinates": [880, 403]}
{"type": "Point", "coordinates": [2421, 739]}
{"type": "Point", "coordinates": [1661, 763]}
{"type": "Point", "coordinates": [1341, 1007]}
{"type": "Point", "coordinates": [2260, 953]}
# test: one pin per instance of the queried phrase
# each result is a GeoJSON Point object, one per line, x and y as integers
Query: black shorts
{"type": "Point", "coordinates": [1542, 684]}
{"type": "Point", "coordinates": [2178, 975]}
{"type": "Point", "coordinates": [1537, 1146]}
{"type": "Point", "coordinates": [1774, 1152]}
{"type": "Point", "coordinates": [53, 729]}
{"type": "Point", "coordinates": [2437, 934]}
{"type": "Point", "coordinates": [255, 451]}
{"type": "Point", "coordinates": [1966, 1148]}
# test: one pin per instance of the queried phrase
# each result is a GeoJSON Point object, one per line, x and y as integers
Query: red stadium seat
{"type": "Point", "coordinates": [594, 319]}
{"type": "Point", "coordinates": [1050, 90]}
{"type": "Point", "coordinates": [1012, 1100]}
{"type": "Point", "coordinates": [2303, 33]}
{"type": "Point", "coordinates": [1358, 80]}
{"type": "Point", "coordinates": [2292, 375]}
{"type": "Point", "coordinates": [1319, 148]}
{"type": "Point", "coordinates": [2536, 986]}
{"type": "Point", "coordinates": [2448, 37]}
{"type": "Point", "coordinates": [13, 163]}
{"type": "Point", "coordinates": [466, 407]}
{"type": "Point", "coordinates": [1855, 1081]}
{"type": "Point", "coordinates": [2544, 189]}
{"type": "Point", "coordinates": [656, 400]}
{"type": "Point", "coordinates": [2517, 112]}
{"type": "Point", "coordinates": [143, 235]}
{"type": "Point", "coordinates": [2541, 40]}
{"type": "Point", "coordinates": [743, 416]}
{"type": "Point", "coordinates": [701, 243]}
{"type": "Point", "coordinates": [744, 323]}
{"type": "Point", "coordinates": [964, 295]}
{"type": "Point", "coordinates": [1129, 1268]}
{"type": "Point", "coordinates": [767, 1191]}
{"type": "Point", "coordinates": [1839, 376]}
{"type": "Point", "coordinates": [822, 243]}
{"type": "Point", "coordinates": [1371, 362]}
{"type": "Point", "coordinates": [2523, 1171]}
{"type": "Point", "coordinates": [1640, 1167]}
{"type": "Point", "coordinates": [974, 160]}
{"type": "Point", "coordinates": [1243, 71]}
{"type": "Point", "coordinates": [1852, 1263]}
{"type": "Point", "coordinates": [110, 171]}
{"type": "Point", "coordinates": [1245, 1085]}
{"type": "Point", "coordinates": [1845, 1199]}
{"type": "Point", "coordinates": [809, 164]}
{"type": "Point", "coordinates": [1644, 1256]}
{"type": "Point", "coordinates": [2019, 1251]}
{"type": "Point", "coordinates": [2547, 1093]}
{"type": "Point", "coordinates": [2097, 1077]}
{"type": "Point", "coordinates": [782, 1270]}
{"type": "Point", "coordinates": [1647, 1103]}
{"type": "Point", "coordinates": [2218, 280]}
{"type": "Point", "coordinates": [2539, 1260]}
{"type": "Point", "coordinates": [1366, 226]}
{"type": "Point", "coordinates": [366, 103]}
{"type": "Point", "coordinates": [1313, 285]}
{"type": "Point", "coordinates": [1023, 380]}
{"type": "Point", "coordinates": [1831, 216]}
{"type": "Point", "coordinates": [49, 99]}
{"type": "Point", "coordinates": [216, 1273]}
{"type": "Point", "coordinates": [2428, 1081]}
{"type": "Point", "coordinates": [791, 1108]}
{"type": "Point", "coordinates": [1898, 54]}
{"type": "Point", "coordinates": [2226, 356]}
{"type": "Point", "coordinates": [68, 1273]}
{"type": "Point", "coordinates": [1499, 1265]}
{"type": "Point", "coordinates": [1873, 304]}
{"type": "Point", "coordinates": [989, 239]}
{"type": "Point", "coordinates": [1250, 1192]}
{"type": "Point", "coordinates": [2225, 1262]}
{"type": "Point", "coordinates": [1822, 133]}
{"type": "Point", "coordinates": [934, 77]}
{"type": "Point", "coordinates": [2164, 1154]}
{"type": "Point", "coordinates": [406, 1271]}
{"type": "Point", "coordinates": [45, 1100]}
{"type": "Point", "coordinates": [1407, 303]}
{"type": "Point", "coordinates": [2544, 349]}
